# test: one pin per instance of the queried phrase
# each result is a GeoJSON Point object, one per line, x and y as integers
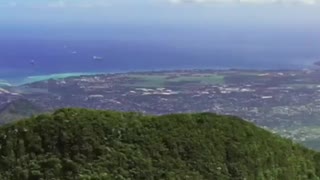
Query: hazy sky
{"type": "Point", "coordinates": [260, 13]}
{"type": "Point", "coordinates": [226, 21]}
{"type": "Point", "coordinates": [159, 33]}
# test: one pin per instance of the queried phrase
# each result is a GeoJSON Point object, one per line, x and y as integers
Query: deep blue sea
{"type": "Point", "coordinates": [148, 48]}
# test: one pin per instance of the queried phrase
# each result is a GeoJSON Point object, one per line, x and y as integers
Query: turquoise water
{"type": "Point", "coordinates": [53, 76]}
{"type": "Point", "coordinates": [4, 83]}
{"type": "Point", "coordinates": [30, 79]}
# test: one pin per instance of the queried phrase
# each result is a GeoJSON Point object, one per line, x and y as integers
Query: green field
{"type": "Point", "coordinates": [164, 80]}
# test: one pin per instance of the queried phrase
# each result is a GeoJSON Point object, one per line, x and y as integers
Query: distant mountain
{"type": "Point", "coordinates": [18, 109]}
{"type": "Point", "coordinates": [87, 144]}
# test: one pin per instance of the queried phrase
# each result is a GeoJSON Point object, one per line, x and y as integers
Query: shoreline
{"type": "Point", "coordinates": [18, 81]}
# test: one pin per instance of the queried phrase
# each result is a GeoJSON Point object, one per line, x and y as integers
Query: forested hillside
{"type": "Point", "coordinates": [17, 109]}
{"type": "Point", "coordinates": [86, 144]}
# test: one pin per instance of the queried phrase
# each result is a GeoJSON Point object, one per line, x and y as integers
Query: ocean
{"type": "Point", "coordinates": [30, 54]}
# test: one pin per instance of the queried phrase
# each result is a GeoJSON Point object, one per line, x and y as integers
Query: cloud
{"type": "Point", "coordinates": [79, 4]}
{"type": "Point", "coordinates": [292, 2]}
{"type": "Point", "coordinates": [93, 4]}
{"type": "Point", "coordinates": [55, 4]}
{"type": "Point", "coordinates": [8, 4]}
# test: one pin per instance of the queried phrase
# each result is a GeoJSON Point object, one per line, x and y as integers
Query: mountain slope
{"type": "Point", "coordinates": [88, 144]}
{"type": "Point", "coordinates": [18, 109]}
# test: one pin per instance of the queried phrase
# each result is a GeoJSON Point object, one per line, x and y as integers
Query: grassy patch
{"type": "Point", "coordinates": [148, 80]}
{"type": "Point", "coordinates": [162, 80]}
{"type": "Point", "coordinates": [208, 79]}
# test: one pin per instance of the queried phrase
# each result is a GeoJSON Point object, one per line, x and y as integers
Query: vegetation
{"type": "Point", "coordinates": [158, 81]}
{"type": "Point", "coordinates": [15, 110]}
{"type": "Point", "coordinates": [100, 145]}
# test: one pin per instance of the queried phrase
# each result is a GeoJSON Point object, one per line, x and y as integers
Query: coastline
{"type": "Point", "coordinates": [4, 83]}
{"type": "Point", "coordinates": [18, 81]}
{"type": "Point", "coordinates": [31, 79]}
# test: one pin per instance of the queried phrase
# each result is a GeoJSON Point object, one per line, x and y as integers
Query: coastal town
{"type": "Point", "coordinates": [278, 100]}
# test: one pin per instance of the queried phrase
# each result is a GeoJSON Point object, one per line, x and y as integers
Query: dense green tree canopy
{"type": "Point", "coordinates": [100, 145]}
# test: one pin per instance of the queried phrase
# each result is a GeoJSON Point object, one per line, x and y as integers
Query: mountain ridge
{"type": "Point", "coordinates": [91, 144]}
